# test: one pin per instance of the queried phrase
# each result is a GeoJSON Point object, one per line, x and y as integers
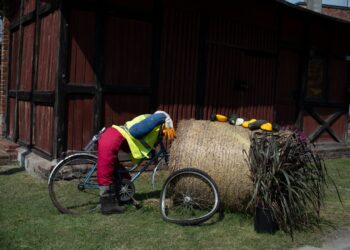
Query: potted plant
{"type": "Point", "coordinates": [289, 181]}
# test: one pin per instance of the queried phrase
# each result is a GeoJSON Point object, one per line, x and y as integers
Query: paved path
{"type": "Point", "coordinates": [339, 240]}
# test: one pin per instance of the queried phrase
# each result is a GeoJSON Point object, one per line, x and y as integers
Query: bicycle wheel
{"type": "Point", "coordinates": [70, 190]}
{"type": "Point", "coordinates": [189, 197]}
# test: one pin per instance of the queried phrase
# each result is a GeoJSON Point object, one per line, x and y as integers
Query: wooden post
{"type": "Point", "coordinates": [60, 105]}
{"type": "Point", "coordinates": [18, 69]}
{"type": "Point", "coordinates": [99, 69]}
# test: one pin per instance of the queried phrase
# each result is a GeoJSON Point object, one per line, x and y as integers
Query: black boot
{"type": "Point", "coordinates": [109, 205]}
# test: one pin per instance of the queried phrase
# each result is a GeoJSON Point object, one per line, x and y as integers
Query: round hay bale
{"type": "Point", "coordinates": [216, 148]}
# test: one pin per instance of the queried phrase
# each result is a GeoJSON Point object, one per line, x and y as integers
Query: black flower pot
{"type": "Point", "coordinates": [263, 221]}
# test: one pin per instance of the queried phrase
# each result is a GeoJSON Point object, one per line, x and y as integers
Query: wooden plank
{"type": "Point", "coordinates": [80, 120]}
{"type": "Point", "coordinates": [29, 6]}
{"type": "Point", "coordinates": [60, 126]}
{"type": "Point", "coordinates": [156, 51]}
{"type": "Point", "coordinates": [49, 7]}
{"type": "Point", "coordinates": [202, 66]}
{"type": "Point", "coordinates": [47, 69]}
{"type": "Point", "coordinates": [120, 108]}
{"type": "Point", "coordinates": [44, 97]}
{"type": "Point", "coordinates": [79, 88]}
{"type": "Point", "coordinates": [18, 71]}
{"type": "Point", "coordinates": [127, 89]}
{"type": "Point", "coordinates": [31, 16]}
{"type": "Point", "coordinates": [23, 95]}
{"type": "Point", "coordinates": [11, 118]}
{"type": "Point", "coordinates": [99, 70]}
{"type": "Point", "coordinates": [325, 125]}
{"type": "Point", "coordinates": [110, 8]}
{"type": "Point", "coordinates": [27, 58]}
{"type": "Point", "coordinates": [35, 70]}
{"type": "Point", "coordinates": [24, 119]}
{"type": "Point", "coordinates": [44, 120]}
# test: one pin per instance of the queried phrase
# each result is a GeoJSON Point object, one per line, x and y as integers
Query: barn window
{"type": "Point", "coordinates": [316, 77]}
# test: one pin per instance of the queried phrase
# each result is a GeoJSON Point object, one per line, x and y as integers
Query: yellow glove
{"type": "Point", "coordinates": [169, 133]}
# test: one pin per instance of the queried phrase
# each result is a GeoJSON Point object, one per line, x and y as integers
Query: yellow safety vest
{"type": "Point", "coordinates": [139, 148]}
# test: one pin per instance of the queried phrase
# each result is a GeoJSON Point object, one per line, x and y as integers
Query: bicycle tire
{"type": "Point", "coordinates": [189, 197]}
{"type": "Point", "coordinates": [65, 189]}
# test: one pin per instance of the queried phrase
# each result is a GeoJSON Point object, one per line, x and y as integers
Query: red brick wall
{"type": "Point", "coordinates": [339, 13]}
{"type": "Point", "coordinates": [3, 78]}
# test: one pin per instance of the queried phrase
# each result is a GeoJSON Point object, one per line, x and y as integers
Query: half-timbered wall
{"type": "Point", "coordinates": [77, 66]}
{"type": "Point", "coordinates": [33, 74]}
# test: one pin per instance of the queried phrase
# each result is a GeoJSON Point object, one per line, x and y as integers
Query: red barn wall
{"type": "Point", "coordinates": [240, 57]}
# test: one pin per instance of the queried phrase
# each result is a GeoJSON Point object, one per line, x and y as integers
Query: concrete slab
{"type": "Point", "coordinates": [36, 165]}
{"type": "Point", "coordinates": [333, 150]}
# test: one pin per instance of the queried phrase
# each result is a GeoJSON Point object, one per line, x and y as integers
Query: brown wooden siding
{"type": "Point", "coordinates": [319, 35]}
{"type": "Point", "coordinates": [240, 52]}
{"type": "Point", "coordinates": [224, 69]}
{"type": "Point", "coordinates": [27, 58]}
{"type": "Point", "coordinates": [80, 110]}
{"type": "Point", "coordinates": [24, 121]}
{"type": "Point", "coordinates": [128, 51]}
{"type": "Point", "coordinates": [287, 86]}
{"type": "Point", "coordinates": [14, 59]}
{"type": "Point", "coordinates": [43, 131]}
{"type": "Point", "coordinates": [11, 114]}
{"type": "Point", "coordinates": [82, 47]}
{"type": "Point", "coordinates": [178, 67]}
{"type": "Point", "coordinates": [48, 52]}
{"type": "Point", "coordinates": [338, 73]}
{"type": "Point", "coordinates": [29, 6]}
{"type": "Point", "coordinates": [120, 108]}
{"type": "Point", "coordinates": [292, 31]}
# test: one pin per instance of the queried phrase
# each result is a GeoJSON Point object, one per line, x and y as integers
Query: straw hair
{"type": "Point", "coordinates": [216, 148]}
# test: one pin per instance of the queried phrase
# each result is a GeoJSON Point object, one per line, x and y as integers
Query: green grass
{"type": "Point", "coordinates": [28, 220]}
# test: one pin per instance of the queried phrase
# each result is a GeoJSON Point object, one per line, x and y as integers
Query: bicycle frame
{"type": "Point", "coordinates": [161, 153]}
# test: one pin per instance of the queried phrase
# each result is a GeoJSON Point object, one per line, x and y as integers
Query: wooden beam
{"type": "Point", "coordinates": [42, 153]}
{"type": "Point", "coordinates": [111, 8]}
{"type": "Point", "coordinates": [24, 95]}
{"type": "Point", "coordinates": [325, 125]}
{"type": "Point", "coordinates": [99, 66]}
{"type": "Point", "coordinates": [48, 8]}
{"type": "Point", "coordinates": [127, 89]}
{"type": "Point", "coordinates": [35, 70]}
{"type": "Point", "coordinates": [60, 103]}
{"type": "Point", "coordinates": [18, 70]}
{"type": "Point", "coordinates": [79, 89]}
{"type": "Point", "coordinates": [31, 16]}
{"type": "Point", "coordinates": [44, 97]}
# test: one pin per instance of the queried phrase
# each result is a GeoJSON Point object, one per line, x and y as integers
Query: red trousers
{"type": "Point", "coordinates": [109, 144]}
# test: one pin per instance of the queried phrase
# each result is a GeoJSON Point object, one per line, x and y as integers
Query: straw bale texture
{"type": "Point", "coordinates": [216, 148]}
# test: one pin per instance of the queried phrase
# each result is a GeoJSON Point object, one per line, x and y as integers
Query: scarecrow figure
{"type": "Point", "coordinates": [139, 137]}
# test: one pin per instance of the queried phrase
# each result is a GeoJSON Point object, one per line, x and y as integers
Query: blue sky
{"type": "Point", "coordinates": [331, 2]}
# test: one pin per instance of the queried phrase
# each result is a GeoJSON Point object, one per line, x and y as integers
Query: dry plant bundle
{"type": "Point", "coordinates": [215, 148]}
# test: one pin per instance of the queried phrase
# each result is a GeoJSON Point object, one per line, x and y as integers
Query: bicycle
{"type": "Point", "coordinates": [189, 196]}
